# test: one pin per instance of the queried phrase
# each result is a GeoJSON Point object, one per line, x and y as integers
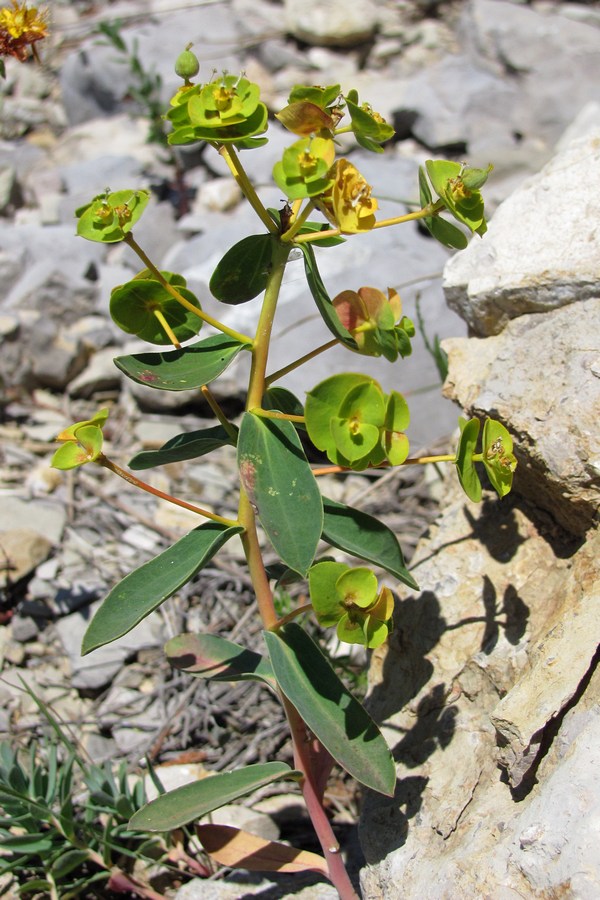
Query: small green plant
{"type": "Point", "coordinates": [64, 828]}
{"type": "Point", "coordinates": [348, 417]}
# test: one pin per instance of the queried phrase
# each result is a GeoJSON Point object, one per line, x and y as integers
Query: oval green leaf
{"type": "Point", "coordinates": [213, 657]}
{"type": "Point", "coordinates": [192, 801]}
{"type": "Point", "coordinates": [134, 305]}
{"type": "Point", "coordinates": [361, 535]}
{"type": "Point", "coordinates": [281, 486]}
{"type": "Point", "coordinates": [338, 720]}
{"type": "Point", "coordinates": [143, 590]}
{"type": "Point", "coordinates": [190, 445]}
{"type": "Point", "coordinates": [243, 272]}
{"type": "Point", "coordinates": [185, 369]}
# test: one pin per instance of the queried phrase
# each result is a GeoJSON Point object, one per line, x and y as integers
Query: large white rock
{"type": "Point", "coordinates": [331, 23]}
{"type": "Point", "coordinates": [541, 377]}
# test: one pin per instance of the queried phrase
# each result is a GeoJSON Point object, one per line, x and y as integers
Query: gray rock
{"type": "Point", "coordinates": [524, 264]}
{"type": "Point", "coordinates": [21, 551]}
{"type": "Point", "coordinates": [45, 517]}
{"type": "Point", "coordinates": [56, 365]}
{"type": "Point", "coordinates": [453, 102]}
{"type": "Point", "coordinates": [99, 375]}
{"type": "Point", "coordinates": [24, 628]}
{"type": "Point", "coordinates": [331, 23]}
{"type": "Point", "coordinates": [540, 377]}
{"type": "Point", "coordinates": [100, 667]}
{"type": "Point", "coordinates": [538, 49]}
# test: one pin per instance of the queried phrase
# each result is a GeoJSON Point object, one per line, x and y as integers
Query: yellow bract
{"type": "Point", "coordinates": [353, 207]}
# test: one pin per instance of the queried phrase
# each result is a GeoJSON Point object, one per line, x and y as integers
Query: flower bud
{"type": "Point", "coordinates": [187, 64]}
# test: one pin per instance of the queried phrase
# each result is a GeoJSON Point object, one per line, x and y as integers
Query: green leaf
{"type": "Point", "coordinates": [361, 535]}
{"type": "Point", "coordinates": [330, 711]}
{"type": "Point", "coordinates": [27, 843]}
{"type": "Point", "coordinates": [192, 801]}
{"type": "Point", "coordinates": [185, 369]}
{"type": "Point", "coordinates": [282, 400]}
{"type": "Point", "coordinates": [280, 484]}
{"type": "Point", "coordinates": [322, 298]}
{"type": "Point", "coordinates": [244, 271]}
{"type": "Point", "coordinates": [143, 590]}
{"type": "Point", "coordinates": [133, 306]}
{"type": "Point", "coordinates": [467, 475]}
{"type": "Point", "coordinates": [213, 657]}
{"type": "Point", "coordinates": [67, 862]}
{"type": "Point", "coordinates": [190, 445]}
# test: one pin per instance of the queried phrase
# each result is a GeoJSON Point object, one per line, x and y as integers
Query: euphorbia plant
{"type": "Point", "coordinates": [348, 417]}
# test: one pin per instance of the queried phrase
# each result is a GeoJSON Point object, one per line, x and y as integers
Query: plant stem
{"type": "Point", "coordinates": [167, 328]}
{"type": "Point", "coordinates": [210, 399]}
{"type": "Point", "coordinates": [236, 335]}
{"type": "Point", "coordinates": [423, 460]}
{"type": "Point", "coordinates": [300, 361]}
{"type": "Point", "coordinates": [410, 461]}
{"type": "Point", "coordinates": [273, 414]}
{"type": "Point", "coordinates": [103, 460]}
{"type": "Point", "coordinates": [246, 186]}
{"type": "Point", "coordinates": [294, 614]}
{"type": "Point", "coordinates": [313, 799]}
{"type": "Point", "coordinates": [256, 389]}
{"type": "Point", "coordinates": [264, 595]}
{"type": "Point", "coordinates": [316, 235]}
{"type": "Point", "coordinates": [432, 209]}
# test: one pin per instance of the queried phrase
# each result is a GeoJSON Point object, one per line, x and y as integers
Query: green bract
{"type": "Point", "coordinates": [349, 417]}
{"type": "Point", "coordinates": [370, 129]}
{"type": "Point", "coordinates": [110, 216]}
{"type": "Point", "coordinates": [305, 169]}
{"type": "Point", "coordinates": [82, 442]}
{"type": "Point", "coordinates": [458, 187]}
{"type": "Point", "coordinates": [372, 320]}
{"type": "Point", "coordinates": [140, 306]}
{"type": "Point", "coordinates": [225, 111]}
{"type": "Point", "coordinates": [498, 458]}
{"type": "Point", "coordinates": [349, 599]}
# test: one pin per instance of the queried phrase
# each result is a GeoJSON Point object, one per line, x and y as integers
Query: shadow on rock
{"type": "Point", "coordinates": [388, 818]}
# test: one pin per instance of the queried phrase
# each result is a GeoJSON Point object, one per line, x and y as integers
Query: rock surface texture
{"type": "Point", "coordinates": [489, 689]}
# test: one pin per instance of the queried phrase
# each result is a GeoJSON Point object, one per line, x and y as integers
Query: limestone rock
{"type": "Point", "coordinates": [331, 23]}
{"type": "Point", "coordinates": [21, 550]}
{"type": "Point", "coordinates": [559, 663]}
{"type": "Point", "coordinates": [542, 377]}
{"type": "Point", "coordinates": [493, 591]}
{"type": "Point", "coordinates": [524, 264]}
